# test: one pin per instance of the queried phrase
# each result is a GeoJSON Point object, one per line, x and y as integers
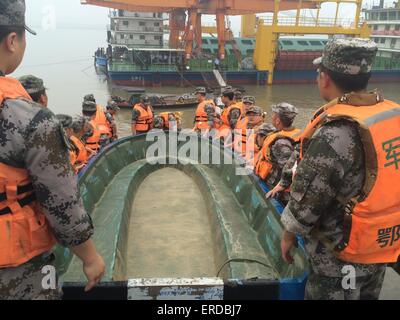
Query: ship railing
{"type": "Point", "coordinates": [383, 63]}
{"type": "Point", "coordinates": [126, 66]}
{"type": "Point", "coordinates": [310, 21]}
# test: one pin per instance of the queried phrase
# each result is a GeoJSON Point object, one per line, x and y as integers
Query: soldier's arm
{"type": "Point", "coordinates": [210, 110]}
{"type": "Point", "coordinates": [47, 160]}
{"type": "Point", "coordinates": [287, 171]}
{"type": "Point", "coordinates": [152, 123]}
{"type": "Point", "coordinates": [328, 159]}
{"type": "Point", "coordinates": [109, 118]}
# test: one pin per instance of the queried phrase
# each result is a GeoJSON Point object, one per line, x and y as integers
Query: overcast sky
{"type": "Point", "coordinates": [70, 13]}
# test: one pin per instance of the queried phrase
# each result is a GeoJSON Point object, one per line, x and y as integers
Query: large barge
{"type": "Point", "coordinates": [136, 55]}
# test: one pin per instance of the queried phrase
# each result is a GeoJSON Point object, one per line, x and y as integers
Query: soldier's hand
{"type": "Point", "coordinates": [288, 241]}
{"type": "Point", "coordinates": [94, 270]}
{"type": "Point", "coordinates": [274, 192]}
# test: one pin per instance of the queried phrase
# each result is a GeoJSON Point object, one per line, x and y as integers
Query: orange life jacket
{"type": "Point", "coordinates": [201, 118]}
{"type": "Point", "coordinates": [146, 118]}
{"type": "Point", "coordinates": [81, 154]}
{"type": "Point", "coordinates": [93, 142]}
{"type": "Point", "coordinates": [176, 117]}
{"type": "Point", "coordinates": [102, 124]}
{"type": "Point", "coordinates": [224, 130]}
{"type": "Point", "coordinates": [72, 157]}
{"type": "Point", "coordinates": [24, 230]}
{"type": "Point", "coordinates": [371, 219]}
{"type": "Point", "coordinates": [264, 162]}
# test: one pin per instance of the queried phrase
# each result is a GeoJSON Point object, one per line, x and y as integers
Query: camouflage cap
{"type": "Point", "coordinates": [89, 106]}
{"type": "Point", "coordinates": [112, 105]}
{"type": "Point", "coordinates": [78, 123]}
{"type": "Point", "coordinates": [89, 97]}
{"type": "Point", "coordinates": [265, 129]}
{"type": "Point", "coordinates": [32, 84]}
{"type": "Point", "coordinates": [201, 90]}
{"type": "Point", "coordinates": [255, 110]}
{"type": "Point", "coordinates": [12, 14]}
{"type": "Point", "coordinates": [285, 109]}
{"type": "Point", "coordinates": [144, 99]}
{"type": "Point", "coordinates": [227, 91]}
{"type": "Point", "coordinates": [65, 120]}
{"type": "Point", "coordinates": [238, 94]}
{"type": "Point", "coordinates": [348, 56]}
{"type": "Point", "coordinates": [249, 99]}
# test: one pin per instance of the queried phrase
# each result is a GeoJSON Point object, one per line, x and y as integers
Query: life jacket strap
{"type": "Point", "coordinates": [22, 202]}
{"type": "Point", "coordinates": [20, 190]}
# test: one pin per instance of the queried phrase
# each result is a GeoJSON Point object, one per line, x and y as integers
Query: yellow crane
{"type": "Point", "coordinates": [268, 31]}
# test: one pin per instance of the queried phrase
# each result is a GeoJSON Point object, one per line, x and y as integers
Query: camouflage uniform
{"type": "Point", "coordinates": [333, 166]}
{"type": "Point", "coordinates": [32, 138]}
{"type": "Point", "coordinates": [290, 166]}
{"type": "Point", "coordinates": [281, 150]}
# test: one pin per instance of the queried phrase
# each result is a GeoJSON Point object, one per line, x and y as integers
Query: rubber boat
{"type": "Point", "coordinates": [171, 226]}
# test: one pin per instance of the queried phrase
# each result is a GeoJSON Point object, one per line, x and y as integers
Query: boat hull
{"type": "Point", "coordinates": [151, 79]}
{"type": "Point", "coordinates": [186, 79]}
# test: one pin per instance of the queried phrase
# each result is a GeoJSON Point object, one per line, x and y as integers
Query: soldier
{"type": "Point", "coordinates": [261, 132]}
{"type": "Point", "coordinates": [74, 129]}
{"type": "Point", "coordinates": [279, 146]}
{"type": "Point", "coordinates": [345, 214]}
{"type": "Point", "coordinates": [232, 111]}
{"type": "Point", "coordinates": [230, 117]}
{"type": "Point", "coordinates": [206, 116]}
{"type": "Point", "coordinates": [112, 109]}
{"type": "Point", "coordinates": [97, 139]}
{"type": "Point", "coordinates": [168, 121]}
{"type": "Point", "coordinates": [42, 204]}
{"type": "Point", "coordinates": [142, 116]}
{"type": "Point", "coordinates": [36, 89]}
{"type": "Point", "coordinates": [99, 118]}
{"type": "Point", "coordinates": [283, 115]}
{"type": "Point", "coordinates": [239, 98]}
{"type": "Point", "coordinates": [245, 135]}
{"type": "Point", "coordinates": [255, 117]}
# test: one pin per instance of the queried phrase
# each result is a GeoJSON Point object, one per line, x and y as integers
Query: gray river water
{"type": "Point", "coordinates": [63, 58]}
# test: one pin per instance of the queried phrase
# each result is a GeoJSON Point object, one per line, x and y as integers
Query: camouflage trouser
{"type": "Point", "coordinates": [25, 282]}
{"type": "Point", "coordinates": [367, 287]}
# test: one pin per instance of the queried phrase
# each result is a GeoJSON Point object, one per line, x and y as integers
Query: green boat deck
{"type": "Point", "coordinates": [170, 233]}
